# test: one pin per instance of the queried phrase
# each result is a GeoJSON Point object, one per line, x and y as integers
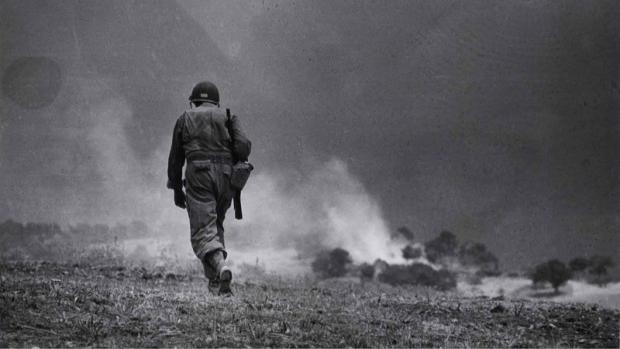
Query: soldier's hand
{"type": "Point", "coordinates": [179, 198]}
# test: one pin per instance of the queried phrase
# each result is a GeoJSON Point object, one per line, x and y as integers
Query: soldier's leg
{"type": "Point", "coordinates": [202, 206]}
{"type": "Point", "coordinates": [205, 238]}
{"type": "Point", "coordinates": [222, 206]}
{"type": "Point", "coordinates": [203, 226]}
{"type": "Point", "coordinates": [224, 199]}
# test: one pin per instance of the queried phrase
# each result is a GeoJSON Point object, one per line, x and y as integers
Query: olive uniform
{"type": "Point", "coordinates": [210, 141]}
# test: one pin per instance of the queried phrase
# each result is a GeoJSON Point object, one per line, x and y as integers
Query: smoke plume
{"type": "Point", "coordinates": [325, 209]}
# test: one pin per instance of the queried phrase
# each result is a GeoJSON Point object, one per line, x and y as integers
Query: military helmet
{"type": "Point", "coordinates": [205, 91]}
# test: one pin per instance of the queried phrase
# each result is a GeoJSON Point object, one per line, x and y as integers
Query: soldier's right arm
{"type": "Point", "coordinates": [176, 160]}
{"type": "Point", "coordinates": [242, 145]}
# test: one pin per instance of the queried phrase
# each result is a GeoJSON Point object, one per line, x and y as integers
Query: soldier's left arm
{"type": "Point", "coordinates": [242, 145]}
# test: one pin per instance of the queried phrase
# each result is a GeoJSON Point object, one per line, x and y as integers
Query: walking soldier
{"type": "Point", "coordinates": [211, 140]}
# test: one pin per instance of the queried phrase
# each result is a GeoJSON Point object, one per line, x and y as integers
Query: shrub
{"type": "Point", "coordinates": [412, 252]}
{"type": "Point", "coordinates": [599, 266]}
{"type": "Point", "coordinates": [554, 271]}
{"type": "Point", "coordinates": [442, 246]}
{"type": "Point", "coordinates": [332, 263]}
{"type": "Point", "coordinates": [418, 274]}
{"type": "Point", "coordinates": [367, 271]}
{"type": "Point", "coordinates": [476, 255]}
{"type": "Point", "coordinates": [579, 264]}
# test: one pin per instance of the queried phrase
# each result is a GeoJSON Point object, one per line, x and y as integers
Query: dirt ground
{"type": "Point", "coordinates": [67, 305]}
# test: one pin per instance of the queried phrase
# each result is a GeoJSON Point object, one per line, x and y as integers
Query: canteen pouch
{"type": "Point", "coordinates": [240, 174]}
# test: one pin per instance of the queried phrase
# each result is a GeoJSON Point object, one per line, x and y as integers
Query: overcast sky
{"type": "Point", "coordinates": [495, 120]}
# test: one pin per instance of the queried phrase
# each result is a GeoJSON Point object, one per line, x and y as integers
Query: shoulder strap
{"type": "Point", "coordinates": [229, 127]}
{"type": "Point", "coordinates": [229, 122]}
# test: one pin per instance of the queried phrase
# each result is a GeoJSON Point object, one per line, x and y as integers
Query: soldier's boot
{"type": "Point", "coordinates": [211, 275]}
{"type": "Point", "coordinates": [224, 272]}
{"type": "Point", "coordinates": [214, 286]}
{"type": "Point", "coordinates": [225, 279]}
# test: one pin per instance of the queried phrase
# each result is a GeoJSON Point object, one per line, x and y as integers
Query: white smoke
{"type": "Point", "coordinates": [288, 217]}
{"type": "Point", "coordinates": [326, 209]}
{"type": "Point", "coordinates": [91, 147]}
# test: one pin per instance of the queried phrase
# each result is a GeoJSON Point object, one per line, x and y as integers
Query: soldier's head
{"type": "Point", "coordinates": [205, 91]}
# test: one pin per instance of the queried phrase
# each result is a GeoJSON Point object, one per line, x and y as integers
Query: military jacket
{"type": "Point", "coordinates": [205, 131]}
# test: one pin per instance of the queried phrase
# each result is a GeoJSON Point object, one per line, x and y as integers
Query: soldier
{"type": "Point", "coordinates": [210, 140]}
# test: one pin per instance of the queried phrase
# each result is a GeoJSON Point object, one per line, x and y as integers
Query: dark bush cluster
{"type": "Point", "coordinates": [332, 263]}
{"type": "Point", "coordinates": [412, 252]}
{"type": "Point", "coordinates": [557, 273]}
{"type": "Point", "coordinates": [476, 255]}
{"type": "Point", "coordinates": [554, 272]}
{"type": "Point", "coordinates": [443, 246]}
{"type": "Point", "coordinates": [418, 274]}
{"type": "Point", "coordinates": [446, 249]}
{"type": "Point", "coordinates": [367, 271]}
{"type": "Point", "coordinates": [579, 264]}
{"type": "Point", "coordinates": [595, 267]}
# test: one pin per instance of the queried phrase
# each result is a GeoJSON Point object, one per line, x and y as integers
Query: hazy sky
{"type": "Point", "coordinates": [495, 120]}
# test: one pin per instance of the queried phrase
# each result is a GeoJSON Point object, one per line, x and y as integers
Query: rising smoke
{"type": "Point", "coordinates": [288, 215]}
{"type": "Point", "coordinates": [285, 212]}
{"type": "Point", "coordinates": [328, 208]}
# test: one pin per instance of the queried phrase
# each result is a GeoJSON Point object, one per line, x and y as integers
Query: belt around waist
{"type": "Point", "coordinates": [215, 158]}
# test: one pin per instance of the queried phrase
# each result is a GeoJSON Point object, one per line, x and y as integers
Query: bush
{"type": "Point", "coordinates": [442, 246]}
{"type": "Point", "coordinates": [579, 264]}
{"type": "Point", "coordinates": [412, 252]}
{"type": "Point", "coordinates": [554, 271]}
{"type": "Point", "coordinates": [476, 255]}
{"type": "Point", "coordinates": [418, 274]}
{"type": "Point", "coordinates": [367, 271]}
{"type": "Point", "coordinates": [332, 263]}
{"type": "Point", "coordinates": [599, 266]}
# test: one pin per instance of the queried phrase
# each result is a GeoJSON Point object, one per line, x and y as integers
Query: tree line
{"type": "Point", "coordinates": [448, 259]}
{"type": "Point", "coordinates": [594, 269]}
{"type": "Point", "coordinates": [18, 233]}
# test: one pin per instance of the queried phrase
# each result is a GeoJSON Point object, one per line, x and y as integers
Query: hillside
{"type": "Point", "coordinates": [46, 305]}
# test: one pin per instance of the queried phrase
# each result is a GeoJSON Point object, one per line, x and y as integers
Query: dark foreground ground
{"type": "Point", "coordinates": [50, 305]}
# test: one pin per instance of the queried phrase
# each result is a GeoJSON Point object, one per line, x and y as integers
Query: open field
{"type": "Point", "coordinates": [51, 305]}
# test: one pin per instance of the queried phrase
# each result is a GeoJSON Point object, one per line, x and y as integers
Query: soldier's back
{"type": "Point", "coordinates": [206, 131]}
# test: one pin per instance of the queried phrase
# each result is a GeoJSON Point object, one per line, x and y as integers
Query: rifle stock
{"type": "Point", "coordinates": [237, 204]}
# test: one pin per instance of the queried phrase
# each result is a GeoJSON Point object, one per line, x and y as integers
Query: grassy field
{"type": "Point", "coordinates": [65, 305]}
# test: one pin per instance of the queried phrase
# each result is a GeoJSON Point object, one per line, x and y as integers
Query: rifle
{"type": "Point", "coordinates": [240, 173]}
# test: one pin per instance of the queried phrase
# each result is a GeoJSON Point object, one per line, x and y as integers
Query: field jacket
{"type": "Point", "coordinates": [204, 132]}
